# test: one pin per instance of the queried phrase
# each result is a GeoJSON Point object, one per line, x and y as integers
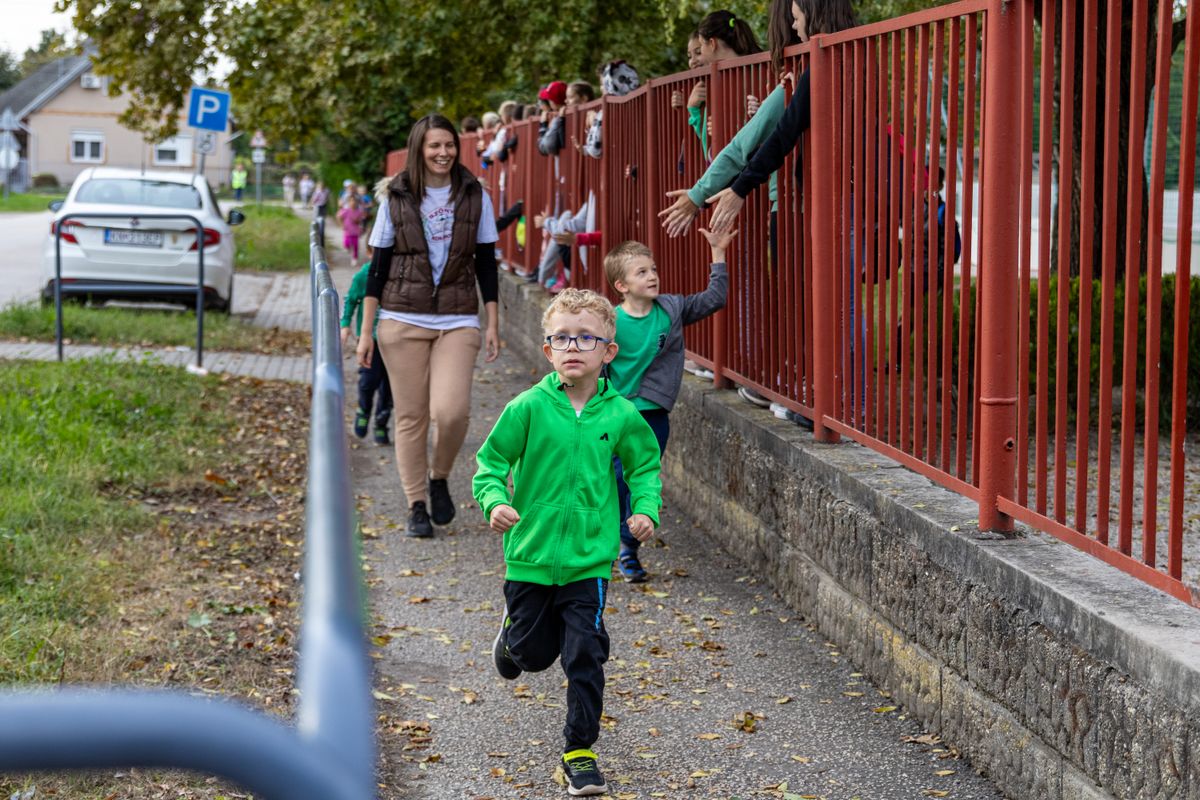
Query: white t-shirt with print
{"type": "Point", "coordinates": [437, 217]}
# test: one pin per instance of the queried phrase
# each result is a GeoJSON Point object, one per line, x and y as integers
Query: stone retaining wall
{"type": "Point", "coordinates": [1057, 675]}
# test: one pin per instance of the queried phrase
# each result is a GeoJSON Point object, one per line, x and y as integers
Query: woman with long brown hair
{"type": "Point", "coordinates": [434, 240]}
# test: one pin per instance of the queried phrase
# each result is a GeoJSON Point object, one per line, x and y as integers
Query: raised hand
{"type": "Point", "coordinates": [727, 207]}
{"type": "Point", "coordinates": [677, 217]}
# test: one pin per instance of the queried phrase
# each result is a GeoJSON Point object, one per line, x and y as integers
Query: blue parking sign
{"type": "Point", "coordinates": [208, 109]}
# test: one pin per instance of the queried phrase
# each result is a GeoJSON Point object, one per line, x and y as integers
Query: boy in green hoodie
{"type": "Point", "coordinates": [561, 524]}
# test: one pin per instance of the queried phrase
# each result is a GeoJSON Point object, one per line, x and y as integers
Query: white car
{"type": "Point", "coordinates": [129, 255]}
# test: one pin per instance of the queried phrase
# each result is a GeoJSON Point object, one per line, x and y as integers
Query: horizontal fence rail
{"type": "Point", "coordinates": [980, 271]}
{"type": "Point", "coordinates": [330, 754]}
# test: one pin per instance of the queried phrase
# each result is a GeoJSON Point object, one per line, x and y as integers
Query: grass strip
{"type": "Point", "coordinates": [24, 203]}
{"type": "Point", "coordinates": [147, 327]}
{"type": "Point", "coordinates": [74, 438]}
{"type": "Point", "coordinates": [272, 239]}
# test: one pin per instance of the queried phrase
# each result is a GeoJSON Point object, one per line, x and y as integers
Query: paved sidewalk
{"type": "Point", "coordinates": [267, 367]}
{"type": "Point", "coordinates": [716, 689]}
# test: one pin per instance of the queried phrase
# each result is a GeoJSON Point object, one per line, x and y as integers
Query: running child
{"type": "Point", "coordinates": [557, 440]}
{"type": "Point", "coordinates": [648, 367]}
{"type": "Point", "coordinates": [372, 380]}
{"type": "Point", "coordinates": [351, 216]}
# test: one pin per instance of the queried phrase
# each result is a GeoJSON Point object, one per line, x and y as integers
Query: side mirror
{"type": "Point", "coordinates": [55, 205]}
{"type": "Point", "coordinates": [236, 217]}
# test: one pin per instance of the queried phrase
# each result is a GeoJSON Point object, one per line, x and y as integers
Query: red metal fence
{"type": "Point", "coordinates": [914, 303]}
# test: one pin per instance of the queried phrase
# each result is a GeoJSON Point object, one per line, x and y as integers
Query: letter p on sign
{"type": "Point", "coordinates": [208, 109]}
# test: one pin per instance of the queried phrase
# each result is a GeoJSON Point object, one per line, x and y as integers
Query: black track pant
{"type": "Point", "coordinates": [567, 621]}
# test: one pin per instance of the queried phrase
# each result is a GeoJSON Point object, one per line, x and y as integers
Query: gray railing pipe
{"type": "Point", "coordinates": [81, 729]}
{"type": "Point", "coordinates": [332, 655]}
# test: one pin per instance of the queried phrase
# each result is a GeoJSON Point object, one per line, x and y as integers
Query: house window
{"type": "Point", "coordinates": [87, 147]}
{"type": "Point", "coordinates": [174, 152]}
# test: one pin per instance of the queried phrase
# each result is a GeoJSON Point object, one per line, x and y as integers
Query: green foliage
{"type": "Point", "coordinates": [272, 238]}
{"type": "Point", "coordinates": [69, 461]}
{"type": "Point", "coordinates": [52, 46]}
{"type": "Point", "coordinates": [10, 70]}
{"type": "Point", "coordinates": [127, 326]}
{"type": "Point", "coordinates": [356, 75]}
{"type": "Point", "coordinates": [1164, 368]}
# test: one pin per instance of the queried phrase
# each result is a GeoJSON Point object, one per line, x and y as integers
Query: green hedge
{"type": "Point", "coordinates": [1166, 347]}
{"type": "Point", "coordinates": [1166, 343]}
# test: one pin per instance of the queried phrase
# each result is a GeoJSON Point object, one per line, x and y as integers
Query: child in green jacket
{"type": "Point", "coordinates": [370, 381]}
{"type": "Point", "coordinates": [561, 523]}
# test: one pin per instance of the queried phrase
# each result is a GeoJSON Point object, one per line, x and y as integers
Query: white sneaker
{"type": "Point", "coordinates": [779, 411]}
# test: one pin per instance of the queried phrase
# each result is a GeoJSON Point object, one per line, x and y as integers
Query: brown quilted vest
{"type": "Point", "coordinates": [410, 288]}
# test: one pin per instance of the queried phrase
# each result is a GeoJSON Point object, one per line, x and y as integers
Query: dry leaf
{"type": "Point", "coordinates": [708, 737]}
{"type": "Point", "coordinates": [941, 773]}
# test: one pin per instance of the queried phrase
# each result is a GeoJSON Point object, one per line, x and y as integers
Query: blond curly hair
{"type": "Point", "coordinates": [575, 301]}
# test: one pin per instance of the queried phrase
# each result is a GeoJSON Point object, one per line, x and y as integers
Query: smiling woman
{"type": "Point", "coordinates": [434, 241]}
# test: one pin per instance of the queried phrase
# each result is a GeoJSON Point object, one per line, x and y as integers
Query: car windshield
{"type": "Point", "coordinates": [139, 192]}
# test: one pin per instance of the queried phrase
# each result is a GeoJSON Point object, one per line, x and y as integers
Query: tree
{"type": "Point", "coordinates": [10, 70]}
{"type": "Point", "coordinates": [52, 46]}
{"type": "Point", "coordinates": [360, 72]}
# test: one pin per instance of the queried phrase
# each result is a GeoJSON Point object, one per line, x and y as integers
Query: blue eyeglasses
{"type": "Point", "coordinates": [584, 342]}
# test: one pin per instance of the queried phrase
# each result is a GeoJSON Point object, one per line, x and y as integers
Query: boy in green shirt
{"type": "Point", "coordinates": [557, 440]}
{"type": "Point", "coordinates": [375, 379]}
{"type": "Point", "coordinates": [648, 367]}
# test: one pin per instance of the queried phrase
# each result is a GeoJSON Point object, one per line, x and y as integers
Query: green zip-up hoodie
{"type": "Point", "coordinates": [564, 486]}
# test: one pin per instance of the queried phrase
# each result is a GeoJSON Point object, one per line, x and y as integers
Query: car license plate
{"type": "Point", "coordinates": [133, 238]}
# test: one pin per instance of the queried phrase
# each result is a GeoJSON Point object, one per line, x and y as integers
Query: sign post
{"type": "Point", "coordinates": [208, 112]}
{"type": "Point", "coordinates": [258, 155]}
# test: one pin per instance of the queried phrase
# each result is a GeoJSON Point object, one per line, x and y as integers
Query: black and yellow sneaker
{"type": "Point", "coordinates": [583, 775]}
{"type": "Point", "coordinates": [507, 668]}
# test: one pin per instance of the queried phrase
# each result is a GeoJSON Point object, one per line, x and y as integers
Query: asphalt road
{"type": "Point", "coordinates": [694, 651]}
{"type": "Point", "coordinates": [21, 239]}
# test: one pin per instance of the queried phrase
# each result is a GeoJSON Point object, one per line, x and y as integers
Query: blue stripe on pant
{"type": "Point", "coordinates": [549, 622]}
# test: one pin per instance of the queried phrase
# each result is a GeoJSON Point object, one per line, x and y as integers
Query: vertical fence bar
{"type": "Point", "coordinates": [1087, 186]}
{"type": "Point", "coordinates": [998, 266]}
{"type": "Point", "coordinates": [1045, 175]}
{"type": "Point", "coordinates": [1066, 171]}
{"type": "Point", "coordinates": [720, 326]}
{"type": "Point", "coordinates": [822, 232]}
{"type": "Point", "coordinates": [1183, 284]}
{"type": "Point", "coordinates": [1026, 213]}
{"type": "Point", "coordinates": [1108, 262]}
{"type": "Point", "coordinates": [1154, 235]}
{"type": "Point", "coordinates": [1133, 258]}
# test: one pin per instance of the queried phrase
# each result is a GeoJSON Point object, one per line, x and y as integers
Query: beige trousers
{"type": "Point", "coordinates": [430, 373]}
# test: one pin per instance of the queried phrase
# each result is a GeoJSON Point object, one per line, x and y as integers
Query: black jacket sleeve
{"type": "Point", "coordinates": [774, 150]}
{"type": "Point", "coordinates": [485, 272]}
{"type": "Point", "coordinates": [381, 264]}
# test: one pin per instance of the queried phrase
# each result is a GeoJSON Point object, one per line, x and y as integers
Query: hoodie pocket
{"type": "Point", "coordinates": [591, 543]}
{"type": "Point", "coordinates": [531, 541]}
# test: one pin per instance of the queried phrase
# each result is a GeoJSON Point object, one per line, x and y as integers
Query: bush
{"type": "Point", "coordinates": [1166, 322]}
{"type": "Point", "coordinates": [45, 180]}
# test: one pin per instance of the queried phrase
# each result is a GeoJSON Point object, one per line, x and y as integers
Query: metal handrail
{"type": "Point", "coordinates": [60, 223]}
{"type": "Point", "coordinates": [330, 754]}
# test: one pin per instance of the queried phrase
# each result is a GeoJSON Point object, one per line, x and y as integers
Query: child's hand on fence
{"type": "Point", "coordinates": [539, 220]}
{"type": "Point", "coordinates": [719, 242]}
{"type": "Point", "coordinates": [503, 518]}
{"type": "Point", "coordinates": [678, 216]}
{"type": "Point", "coordinates": [752, 105]}
{"type": "Point", "coordinates": [565, 237]}
{"type": "Point", "coordinates": [698, 96]}
{"type": "Point", "coordinates": [728, 206]}
{"type": "Point", "coordinates": [677, 99]}
{"type": "Point", "coordinates": [641, 526]}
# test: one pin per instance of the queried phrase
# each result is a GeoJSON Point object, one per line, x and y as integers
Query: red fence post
{"type": "Point", "coordinates": [824, 272]}
{"type": "Point", "coordinates": [721, 332]}
{"type": "Point", "coordinates": [998, 270]}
